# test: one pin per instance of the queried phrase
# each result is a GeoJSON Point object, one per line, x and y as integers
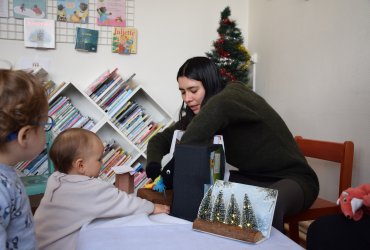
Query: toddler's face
{"type": "Point", "coordinates": [93, 161]}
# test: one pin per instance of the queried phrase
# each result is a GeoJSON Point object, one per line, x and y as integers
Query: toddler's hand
{"type": "Point", "coordinates": [159, 208]}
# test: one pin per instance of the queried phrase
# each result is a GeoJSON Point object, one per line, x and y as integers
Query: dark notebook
{"type": "Point", "coordinates": [194, 170]}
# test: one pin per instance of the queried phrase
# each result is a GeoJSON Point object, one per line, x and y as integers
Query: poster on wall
{"type": "Point", "coordinates": [124, 40]}
{"type": "Point", "coordinates": [111, 13]}
{"type": "Point", "coordinates": [4, 7]}
{"type": "Point", "coordinates": [39, 33]}
{"type": "Point", "coordinates": [73, 11]}
{"type": "Point", "coordinates": [29, 8]}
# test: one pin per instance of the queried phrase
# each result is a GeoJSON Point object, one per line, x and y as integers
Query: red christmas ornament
{"type": "Point", "coordinates": [226, 21]}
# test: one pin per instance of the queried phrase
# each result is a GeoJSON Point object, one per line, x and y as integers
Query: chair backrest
{"type": "Point", "coordinates": [341, 153]}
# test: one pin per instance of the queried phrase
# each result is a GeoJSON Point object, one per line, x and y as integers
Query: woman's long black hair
{"type": "Point", "coordinates": [204, 70]}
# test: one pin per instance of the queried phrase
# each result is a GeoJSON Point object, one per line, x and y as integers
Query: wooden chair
{"type": "Point", "coordinates": [341, 153]}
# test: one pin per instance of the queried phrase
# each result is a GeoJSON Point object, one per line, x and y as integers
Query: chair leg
{"type": "Point", "coordinates": [294, 231]}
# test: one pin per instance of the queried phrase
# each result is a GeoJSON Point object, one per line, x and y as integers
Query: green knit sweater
{"type": "Point", "coordinates": [257, 141]}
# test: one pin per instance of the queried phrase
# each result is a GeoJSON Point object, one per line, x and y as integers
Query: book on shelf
{"type": "Point", "coordinates": [113, 156]}
{"type": "Point", "coordinates": [73, 11]}
{"type": "Point", "coordinates": [86, 39]}
{"type": "Point", "coordinates": [100, 87]}
{"type": "Point", "coordinates": [237, 211]}
{"type": "Point", "coordinates": [105, 87]}
{"type": "Point", "coordinates": [127, 112]}
{"type": "Point", "coordinates": [137, 122]}
{"type": "Point", "coordinates": [147, 137]}
{"type": "Point", "coordinates": [124, 40]}
{"type": "Point", "coordinates": [114, 109]}
{"type": "Point", "coordinates": [66, 115]}
{"type": "Point", "coordinates": [29, 8]}
{"type": "Point", "coordinates": [121, 87]}
{"type": "Point", "coordinates": [111, 13]}
{"type": "Point", "coordinates": [109, 91]}
{"type": "Point", "coordinates": [39, 33]}
{"type": "Point", "coordinates": [91, 88]}
{"type": "Point", "coordinates": [136, 132]}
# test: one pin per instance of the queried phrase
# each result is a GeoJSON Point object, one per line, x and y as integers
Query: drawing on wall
{"type": "Point", "coordinates": [111, 12]}
{"type": "Point", "coordinates": [73, 11]}
{"type": "Point", "coordinates": [29, 8]}
{"type": "Point", "coordinates": [39, 33]}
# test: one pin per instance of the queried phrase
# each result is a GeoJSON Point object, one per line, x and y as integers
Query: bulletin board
{"type": "Point", "coordinates": [12, 28]}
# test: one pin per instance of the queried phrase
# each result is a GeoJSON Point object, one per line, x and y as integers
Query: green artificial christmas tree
{"type": "Point", "coordinates": [233, 212]}
{"type": "Point", "coordinates": [248, 218]}
{"type": "Point", "coordinates": [205, 208]}
{"type": "Point", "coordinates": [218, 212]}
{"type": "Point", "coordinates": [229, 54]}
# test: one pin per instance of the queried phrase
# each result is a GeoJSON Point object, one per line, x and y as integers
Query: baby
{"type": "Point", "coordinates": [74, 195]}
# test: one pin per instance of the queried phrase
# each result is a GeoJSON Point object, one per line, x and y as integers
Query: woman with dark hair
{"type": "Point", "coordinates": [257, 141]}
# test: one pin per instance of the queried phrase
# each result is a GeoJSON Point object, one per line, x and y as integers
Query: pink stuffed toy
{"type": "Point", "coordinates": [355, 201]}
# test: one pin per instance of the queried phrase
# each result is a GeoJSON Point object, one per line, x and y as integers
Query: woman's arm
{"type": "Point", "coordinates": [160, 145]}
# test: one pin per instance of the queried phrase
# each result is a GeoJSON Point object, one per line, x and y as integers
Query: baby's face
{"type": "Point", "coordinates": [93, 160]}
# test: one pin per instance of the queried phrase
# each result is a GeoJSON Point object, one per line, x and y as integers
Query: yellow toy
{"type": "Point", "coordinates": [152, 184]}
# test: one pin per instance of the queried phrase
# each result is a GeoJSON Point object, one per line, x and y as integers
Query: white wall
{"type": "Point", "coordinates": [169, 32]}
{"type": "Point", "coordinates": [313, 67]}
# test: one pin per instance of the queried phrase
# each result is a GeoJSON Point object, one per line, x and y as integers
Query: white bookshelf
{"type": "Point", "coordinates": [105, 128]}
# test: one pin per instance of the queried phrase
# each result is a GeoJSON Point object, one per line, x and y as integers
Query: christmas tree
{"type": "Point", "coordinates": [218, 212]}
{"type": "Point", "coordinates": [229, 54]}
{"type": "Point", "coordinates": [248, 218]}
{"type": "Point", "coordinates": [233, 212]}
{"type": "Point", "coordinates": [205, 208]}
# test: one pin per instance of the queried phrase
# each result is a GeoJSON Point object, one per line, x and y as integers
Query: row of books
{"type": "Point", "coordinates": [37, 166]}
{"type": "Point", "coordinates": [114, 155]}
{"type": "Point", "coordinates": [66, 115]}
{"type": "Point", "coordinates": [110, 92]}
{"type": "Point", "coordinates": [113, 95]}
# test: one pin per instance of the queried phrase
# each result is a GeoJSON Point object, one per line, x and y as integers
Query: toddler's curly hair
{"type": "Point", "coordinates": [22, 99]}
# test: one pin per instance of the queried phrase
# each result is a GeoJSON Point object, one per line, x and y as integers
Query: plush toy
{"type": "Point", "coordinates": [355, 201]}
{"type": "Point", "coordinates": [157, 185]}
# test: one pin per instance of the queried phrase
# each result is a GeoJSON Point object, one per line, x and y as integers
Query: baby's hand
{"type": "Point", "coordinates": [159, 208]}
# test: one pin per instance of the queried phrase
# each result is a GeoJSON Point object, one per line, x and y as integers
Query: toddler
{"type": "Point", "coordinates": [74, 195]}
{"type": "Point", "coordinates": [23, 121]}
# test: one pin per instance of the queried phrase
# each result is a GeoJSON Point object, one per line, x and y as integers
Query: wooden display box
{"type": "Point", "coordinates": [156, 197]}
{"type": "Point", "coordinates": [229, 231]}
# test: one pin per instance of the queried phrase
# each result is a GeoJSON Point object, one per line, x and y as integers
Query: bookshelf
{"type": "Point", "coordinates": [71, 106]}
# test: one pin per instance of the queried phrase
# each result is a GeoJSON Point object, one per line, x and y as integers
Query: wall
{"type": "Point", "coordinates": [169, 32]}
{"type": "Point", "coordinates": [313, 67]}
